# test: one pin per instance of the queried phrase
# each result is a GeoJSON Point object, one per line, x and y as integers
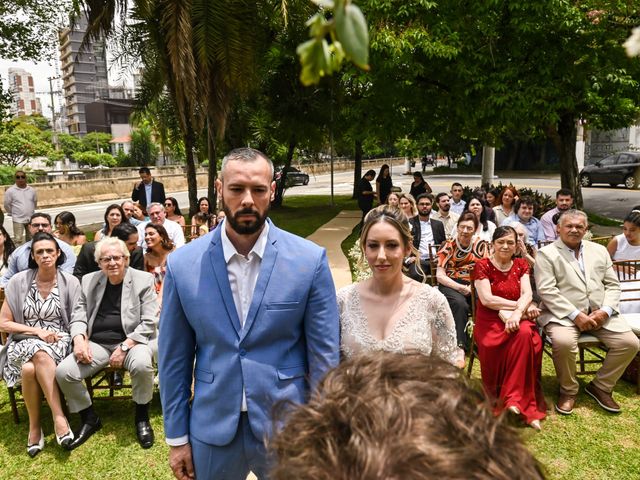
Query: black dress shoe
{"type": "Point", "coordinates": [145, 434]}
{"type": "Point", "coordinates": [84, 433]}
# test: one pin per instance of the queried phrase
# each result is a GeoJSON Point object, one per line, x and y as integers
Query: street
{"type": "Point", "coordinates": [606, 201]}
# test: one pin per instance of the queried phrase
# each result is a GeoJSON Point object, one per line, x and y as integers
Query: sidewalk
{"type": "Point", "coordinates": [330, 236]}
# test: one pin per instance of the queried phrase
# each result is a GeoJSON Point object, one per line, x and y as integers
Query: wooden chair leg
{"type": "Point", "coordinates": [581, 362]}
{"type": "Point", "coordinates": [472, 356]}
{"type": "Point", "coordinates": [14, 405]}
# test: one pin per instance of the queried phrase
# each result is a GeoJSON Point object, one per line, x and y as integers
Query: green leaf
{"type": "Point", "coordinates": [353, 34]}
{"type": "Point", "coordinates": [313, 58]}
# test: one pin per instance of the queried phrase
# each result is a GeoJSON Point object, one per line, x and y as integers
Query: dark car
{"type": "Point", "coordinates": [294, 177]}
{"type": "Point", "coordinates": [621, 167]}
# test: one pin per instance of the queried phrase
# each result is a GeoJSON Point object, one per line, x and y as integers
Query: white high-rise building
{"type": "Point", "coordinates": [25, 101]}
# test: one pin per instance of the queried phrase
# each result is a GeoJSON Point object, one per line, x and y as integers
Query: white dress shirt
{"type": "Point", "coordinates": [243, 275]}
{"type": "Point", "coordinates": [426, 238]}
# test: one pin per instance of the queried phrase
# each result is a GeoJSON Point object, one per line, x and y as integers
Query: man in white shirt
{"type": "Point", "coordinates": [564, 201]}
{"type": "Point", "coordinates": [444, 214]}
{"type": "Point", "coordinates": [20, 201]}
{"type": "Point", "coordinates": [426, 232]}
{"type": "Point", "coordinates": [158, 216]}
{"type": "Point", "coordinates": [255, 308]}
{"type": "Point", "coordinates": [457, 203]}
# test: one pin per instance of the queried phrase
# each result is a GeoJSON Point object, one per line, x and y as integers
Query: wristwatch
{"type": "Point", "coordinates": [124, 347]}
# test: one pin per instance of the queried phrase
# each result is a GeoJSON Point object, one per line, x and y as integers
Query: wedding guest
{"type": "Point", "coordinates": [626, 246]}
{"type": "Point", "coordinates": [384, 184]}
{"type": "Point", "coordinates": [506, 201]}
{"type": "Point", "coordinates": [113, 216]}
{"type": "Point", "coordinates": [407, 205]}
{"type": "Point", "coordinates": [68, 231]}
{"type": "Point", "coordinates": [419, 185]}
{"type": "Point", "coordinates": [172, 209]}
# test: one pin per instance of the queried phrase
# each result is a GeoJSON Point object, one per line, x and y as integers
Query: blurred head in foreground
{"type": "Point", "coordinates": [387, 416]}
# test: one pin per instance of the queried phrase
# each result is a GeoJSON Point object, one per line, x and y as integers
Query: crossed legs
{"type": "Point", "coordinates": [38, 378]}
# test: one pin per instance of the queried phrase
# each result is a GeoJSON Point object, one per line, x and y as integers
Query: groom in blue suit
{"type": "Point", "coordinates": [255, 307]}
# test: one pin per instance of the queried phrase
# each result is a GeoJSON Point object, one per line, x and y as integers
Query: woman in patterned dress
{"type": "Point", "coordinates": [456, 259]}
{"type": "Point", "coordinates": [36, 313]}
{"type": "Point", "coordinates": [159, 246]}
{"type": "Point", "coordinates": [390, 311]}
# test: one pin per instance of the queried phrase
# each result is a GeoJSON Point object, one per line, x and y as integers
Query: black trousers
{"type": "Point", "coordinates": [412, 271]}
{"type": "Point", "coordinates": [460, 307]}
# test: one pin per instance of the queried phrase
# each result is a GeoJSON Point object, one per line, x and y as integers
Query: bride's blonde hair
{"type": "Point", "coordinates": [396, 218]}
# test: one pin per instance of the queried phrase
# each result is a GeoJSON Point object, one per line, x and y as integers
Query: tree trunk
{"type": "Point", "coordinates": [192, 183]}
{"type": "Point", "coordinates": [213, 166]}
{"type": "Point", "coordinates": [357, 169]}
{"type": "Point", "coordinates": [563, 136]}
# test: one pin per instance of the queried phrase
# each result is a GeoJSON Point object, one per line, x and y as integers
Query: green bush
{"type": "Point", "coordinates": [7, 175]}
{"type": "Point", "coordinates": [94, 159]}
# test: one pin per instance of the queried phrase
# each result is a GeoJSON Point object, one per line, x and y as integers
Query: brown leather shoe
{"type": "Point", "coordinates": [604, 399]}
{"type": "Point", "coordinates": [565, 404]}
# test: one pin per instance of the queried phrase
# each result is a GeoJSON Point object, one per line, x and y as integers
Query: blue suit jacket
{"type": "Point", "coordinates": [289, 341]}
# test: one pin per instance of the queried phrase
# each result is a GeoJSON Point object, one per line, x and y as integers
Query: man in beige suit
{"type": "Point", "coordinates": [580, 293]}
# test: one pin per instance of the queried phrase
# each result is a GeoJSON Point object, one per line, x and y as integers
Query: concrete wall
{"type": "Point", "coordinates": [118, 183]}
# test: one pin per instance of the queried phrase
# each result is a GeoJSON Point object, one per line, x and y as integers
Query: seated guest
{"type": "Point", "coordinates": [524, 249]}
{"type": "Point", "coordinates": [173, 211]}
{"type": "Point", "coordinates": [492, 197]}
{"type": "Point", "coordinates": [407, 205]}
{"type": "Point", "coordinates": [564, 201]}
{"type": "Point", "coordinates": [158, 216]}
{"type": "Point", "coordinates": [128, 233]}
{"type": "Point", "coordinates": [159, 246]}
{"type": "Point", "coordinates": [444, 213]}
{"type": "Point", "coordinates": [19, 259]}
{"type": "Point", "coordinates": [111, 324]}
{"type": "Point", "coordinates": [509, 345]}
{"type": "Point", "coordinates": [386, 416]}
{"type": "Point", "coordinates": [481, 195]}
{"type": "Point", "coordinates": [36, 314]}
{"type": "Point", "coordinates": [426, 232]}
{"type": "Point", "coordinates": [68, 231]}
{"type": "Point", "coordinates": [200, 224]}
{"type": "Point", "coordinates": [6, 249]}
{"type": "Point", "coordinates": [485, 226]}
{"type": "Point", "coordinates": [626, 246]}
{"type": "Point", "coordinates": [393, 200]}
{"type": "Point", "coordinates": [113, 216]}
{"type": "Point", "coordinates": [505, 203]}
{"type": "Point", "coordinates": [389, 311]}
{"type": "Point", "coordinates": [456, 259]}
{"type": "Point", "coordinates": [523, 213]}
{"type": "Point", "coordinates": [580, 293]}
{"type": "Point", "coordinates": [129, 209]}
{"type": "Point", "coordinates": [457, 203]}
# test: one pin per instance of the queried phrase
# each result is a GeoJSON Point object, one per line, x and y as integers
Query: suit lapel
{"type": "Point", "coordinates": [266, 267]}
{"type": "Point", "coordinates": [571, 259]}
{"type": "Point", "coordinates": [125, 301]}
{"type": "Point", "coordinates": [216, 255]}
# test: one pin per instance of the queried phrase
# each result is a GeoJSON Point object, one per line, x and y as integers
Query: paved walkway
{"type": "Point", "coordinates": [330, 236]}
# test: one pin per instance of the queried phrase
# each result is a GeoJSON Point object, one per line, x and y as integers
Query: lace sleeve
{"type": "Point", "coordinates": [443, 331]}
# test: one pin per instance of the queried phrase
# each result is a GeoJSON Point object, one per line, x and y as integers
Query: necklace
{"type": "Point", "coordinates": [501, 267]}
{"type": "Point", "coordinates": [463, 250]}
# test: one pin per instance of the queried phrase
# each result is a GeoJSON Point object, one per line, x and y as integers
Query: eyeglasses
{"type": "Point", "coordinates": [115, 258]}
{"type": "Point", "coordinates": [41, 251]}
{"type": "Point", "coordinates": [168, 204]}
{"type": "Point", "coordinates": [18, 177]}
{"type": "Point", "coordinates": [40, 225]}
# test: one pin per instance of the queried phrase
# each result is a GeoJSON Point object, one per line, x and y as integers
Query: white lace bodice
{"type": "Point", "coordinates": [427, 326]}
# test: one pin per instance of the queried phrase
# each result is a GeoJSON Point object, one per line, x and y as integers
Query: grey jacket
{"type": "Point", "coordinates": [16, 292]}
{"type": "Point", "coordinates": [139, 306]}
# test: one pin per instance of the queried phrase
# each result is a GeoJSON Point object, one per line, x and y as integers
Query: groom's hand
{"type": "Point", "coordinates": [181, 462]}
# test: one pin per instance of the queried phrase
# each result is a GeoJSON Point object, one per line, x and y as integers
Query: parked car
{"type": "Point", "coordinates": [621, 167]}
{"type": "Point", "coordinates": [294, 177]}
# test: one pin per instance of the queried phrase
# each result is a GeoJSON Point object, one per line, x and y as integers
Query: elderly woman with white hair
{"type": "Point", "coordinates": [111, 325]}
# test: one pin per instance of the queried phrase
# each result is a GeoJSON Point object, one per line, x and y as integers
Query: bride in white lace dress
{"type": "Point", "coordinates": [390, 311]}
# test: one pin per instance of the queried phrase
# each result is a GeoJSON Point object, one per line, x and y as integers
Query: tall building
{"type": "Point", "coordinates": [84, 74]}
{"type": "Point", "coordinates": [25, 101]}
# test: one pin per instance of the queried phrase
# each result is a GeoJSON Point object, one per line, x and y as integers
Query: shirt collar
{"type": "Point", "coordinates": [580, 248]}
{"type": "Point", "coordinates": [258, 248]}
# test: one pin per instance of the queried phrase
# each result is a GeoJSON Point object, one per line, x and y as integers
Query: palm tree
{"type": "Point", "coordinates": [202, 53]}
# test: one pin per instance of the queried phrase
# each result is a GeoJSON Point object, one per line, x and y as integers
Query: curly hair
{"type": "Point", "coordinates": [396, 416]}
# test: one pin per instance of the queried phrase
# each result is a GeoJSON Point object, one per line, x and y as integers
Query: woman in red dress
{"type": "Point", "coordinates": [510, 350]}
